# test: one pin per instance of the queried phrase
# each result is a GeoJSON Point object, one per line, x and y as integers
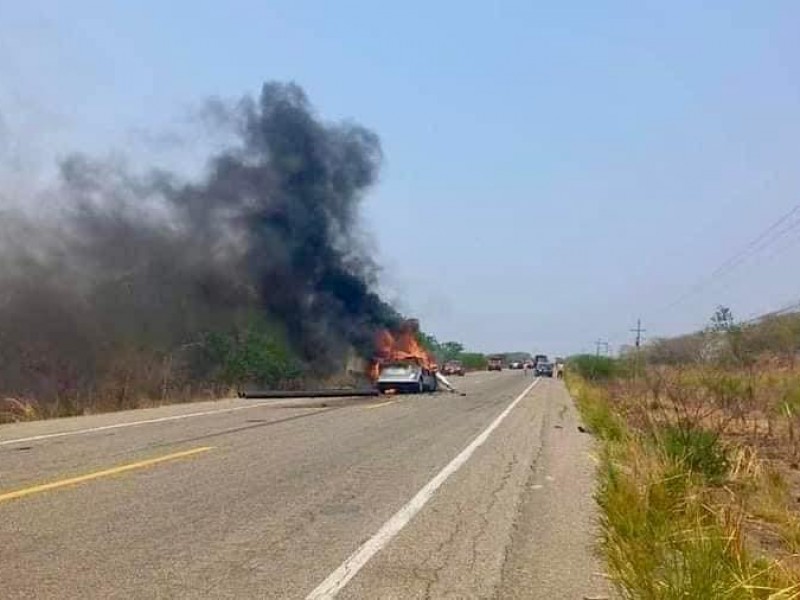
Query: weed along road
{"type": "Point", "coordinates": [412, 496]}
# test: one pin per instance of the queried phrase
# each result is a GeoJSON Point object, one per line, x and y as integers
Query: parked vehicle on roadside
{"type": "Point", "coordinates": [517, 364]}
{"type": "Point", "coordinates": [453, 367]}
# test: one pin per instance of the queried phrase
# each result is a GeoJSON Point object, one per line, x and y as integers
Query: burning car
{"type": "Point", "coordinates": [401, 363]}
{"type": "Point", "coordinates": [406, 376]}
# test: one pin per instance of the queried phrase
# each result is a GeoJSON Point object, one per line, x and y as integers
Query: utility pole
{"type": "Point", "coordinates": [600, 343]}
{"type": "Point", "coordinates": [638, 331]}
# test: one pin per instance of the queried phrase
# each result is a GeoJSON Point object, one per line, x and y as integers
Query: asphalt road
{"type": "Point", "coordinates": [480, 496]}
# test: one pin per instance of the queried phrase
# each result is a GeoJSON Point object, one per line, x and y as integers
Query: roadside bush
{"type": "Point", "coordinates": [697, 450]}
{"type": "Point", "coordinates": [473, 361]}
{"type": "Point", "coordinates": [256, 354]}
{"type": "Point", "coordinates": [592, 367]}
{"type": "Point", "coordinates": [659, 537]}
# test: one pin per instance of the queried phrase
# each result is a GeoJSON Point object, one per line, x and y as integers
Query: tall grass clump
{"type": "Point", "coordinates": [672, 522]}
{"type": "Point", "coordinates": [596, 411]}
{"type": "Point", "coordinates": [696, 451]}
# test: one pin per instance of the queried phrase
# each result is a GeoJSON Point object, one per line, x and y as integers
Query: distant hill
{"type": "Point", "coordinates": [776, 335]}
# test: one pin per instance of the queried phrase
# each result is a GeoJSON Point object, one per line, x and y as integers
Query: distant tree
{"type": "Point", "coordinates": [727, 339]}
{"type": "Point", "coordinates": [473, 361]}
{"type": "Point", "coordinates": [429, 342]}
{"type": "Point", "coordinates": [444, 351]}
{"type": "Point", "coordinates": [451, 351]}
{"type": "Point", "coordinates": [722, 320]}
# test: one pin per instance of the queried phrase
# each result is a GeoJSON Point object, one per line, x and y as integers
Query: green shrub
{"type": "Point", "coordinates": [592, 367]}
{"type": "Point", "coordinates": [255, 354]}
{"type": "Point", "coordinates": [697, 450]}
{"type": "Point", "coordinates": [473, 361]}
{"type": "Point", "coordinates": [660, 540]}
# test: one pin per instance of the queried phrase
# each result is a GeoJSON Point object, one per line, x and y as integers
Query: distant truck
{"type": "Point", "coordinates": [539, 358]}
{"type": "Point", "coordinates": [495, 363]}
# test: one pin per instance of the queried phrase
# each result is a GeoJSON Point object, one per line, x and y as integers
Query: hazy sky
{"type": "Point", "coordinates": [553, 170]}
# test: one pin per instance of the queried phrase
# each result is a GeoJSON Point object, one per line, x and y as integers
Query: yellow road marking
{"type": "Point", "coordinates": [379, 405]}
{"type": "Point", "coordinates": [98, 474]}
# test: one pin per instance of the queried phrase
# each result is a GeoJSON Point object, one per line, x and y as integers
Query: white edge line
{"type": "Point", "coordinates": [47, 436]}
{"type": "Point", "coordinates": [336, 581]}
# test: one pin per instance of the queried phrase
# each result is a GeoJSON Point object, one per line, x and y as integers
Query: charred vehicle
{"type": "Point", "coordinates": [406, 376]}
{"type": "Point", "coordinates": [401, 364]}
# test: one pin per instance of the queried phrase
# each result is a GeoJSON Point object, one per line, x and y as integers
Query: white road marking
{"type": "Point", "coordinates": [337, 580]}
{"type": "Point", "coordinates": [48, 436]}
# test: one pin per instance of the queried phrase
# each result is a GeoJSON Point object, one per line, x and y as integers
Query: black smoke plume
{"type": "Point", "coordinates": [130, 277]}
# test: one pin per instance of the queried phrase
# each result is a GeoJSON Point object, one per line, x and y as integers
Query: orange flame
{"type": "Point", "coordinates": [402, 345]}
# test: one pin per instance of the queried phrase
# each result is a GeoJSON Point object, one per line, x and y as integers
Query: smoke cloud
{"type": "Point", "coordinates": [129, 276]}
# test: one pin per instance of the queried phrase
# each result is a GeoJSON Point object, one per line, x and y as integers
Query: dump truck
{"type": "Point", "coordinates": [495, 363]}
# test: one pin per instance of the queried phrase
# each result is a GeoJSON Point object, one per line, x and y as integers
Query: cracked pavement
{"type": "Point", "coordinates": [287, 490]}
{"type": "Point", "coordinates": [516, 522]}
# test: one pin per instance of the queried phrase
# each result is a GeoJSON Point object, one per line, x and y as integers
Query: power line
{"type": "Point", "coordinates": [736, 258]}
{"type": "Point", "coordinates": [758, 244]}
{"type": "Point", "coordinates": [792, 226]}
{"type": "Point", "coordinates": [778, 229]}
{"type": "Point", "coordinates": [780, 249]}
{"type": "Point", "coordinates": [774, 313]}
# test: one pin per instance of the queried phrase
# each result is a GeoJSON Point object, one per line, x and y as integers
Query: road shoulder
{"type": "Point", "coordinates": [515, 522]}
{"type": "Point", "coordinates": [553, 545]}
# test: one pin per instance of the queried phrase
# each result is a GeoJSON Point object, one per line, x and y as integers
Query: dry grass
{"type": "Point", "coordinates": [697, 491]}
{"type": "Point", "coordinates": [15, 410]}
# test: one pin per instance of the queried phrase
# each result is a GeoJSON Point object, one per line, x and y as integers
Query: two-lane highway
{"type": "Point", "coordinates": [487, 495]}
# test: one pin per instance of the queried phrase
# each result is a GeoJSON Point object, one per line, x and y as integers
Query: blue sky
{"type": "Point", "coordinates": [553, 170]}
